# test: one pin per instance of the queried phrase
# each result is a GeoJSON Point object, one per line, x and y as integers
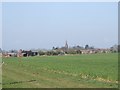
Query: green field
{"type": "Point", "coordinates": [70, 71]}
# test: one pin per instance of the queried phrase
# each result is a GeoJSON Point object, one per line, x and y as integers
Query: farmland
{"type": "Point", "coordinates": [69, 71]}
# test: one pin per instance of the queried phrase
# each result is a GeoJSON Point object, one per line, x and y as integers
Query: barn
{"type": "Point", "coordinates": [29, 53]}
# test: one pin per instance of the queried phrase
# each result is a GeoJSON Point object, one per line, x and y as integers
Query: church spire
{"type": "Point", "coordinates": [66, 45]}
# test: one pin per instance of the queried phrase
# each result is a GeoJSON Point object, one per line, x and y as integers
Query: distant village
{"type": "Point", "coordinates": [65, 50]}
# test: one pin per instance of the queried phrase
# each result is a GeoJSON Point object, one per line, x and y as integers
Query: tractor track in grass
{"type": "Point", "coordinates": [57, 82]}
{"type": "Point", "coordinates": [17, 82]}
{"type": "Point", "coordinates": [83, 76]}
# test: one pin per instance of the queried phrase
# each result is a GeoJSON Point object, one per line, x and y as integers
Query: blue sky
{"type": "Point", "coordinates": [44, 25]}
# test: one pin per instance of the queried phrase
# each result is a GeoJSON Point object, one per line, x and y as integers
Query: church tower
{"type": "Point", "coordinates": [66, 45]}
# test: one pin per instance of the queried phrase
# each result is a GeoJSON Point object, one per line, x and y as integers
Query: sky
{"type": "Point", "coordinates": [60, 0]}
{"type": "Point", "coordinates": [43, 25]}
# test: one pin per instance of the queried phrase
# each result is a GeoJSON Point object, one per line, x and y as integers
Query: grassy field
{"type": "Point", "coordinates": [78, 71]}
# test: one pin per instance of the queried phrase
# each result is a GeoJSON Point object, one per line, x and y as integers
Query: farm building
{"type": "Point", "coordinates": [12, 54]}
{"type": "Point", "coordinates": [29, 53]}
